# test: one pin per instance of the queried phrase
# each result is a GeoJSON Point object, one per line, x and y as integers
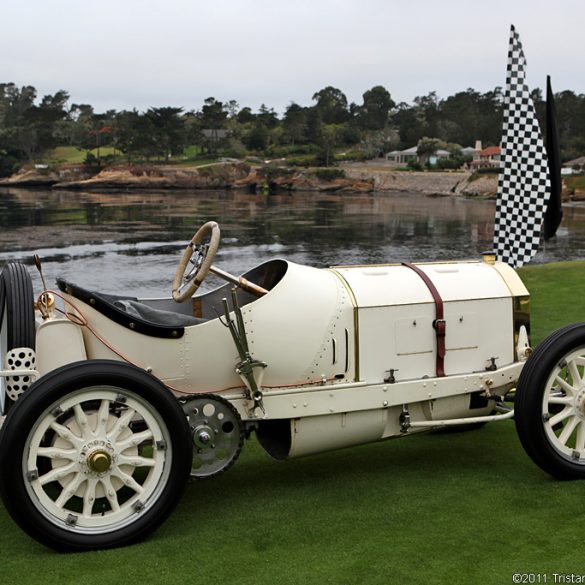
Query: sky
{"type": "Point", "coordinates": [125, 54]}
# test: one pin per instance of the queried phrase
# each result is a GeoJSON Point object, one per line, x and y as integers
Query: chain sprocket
{"type": "Point", "coordinates": [217, 434]}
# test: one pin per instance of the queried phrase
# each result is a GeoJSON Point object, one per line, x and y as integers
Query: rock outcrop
{"type": "Point", "coordinates": [352, 177]}
{"type": "Point", "coordinates": [212, 176]}
{"type": "Point", "coordinates": [273, 180]}
{"type": "Point", "coordinates": [41, 177]}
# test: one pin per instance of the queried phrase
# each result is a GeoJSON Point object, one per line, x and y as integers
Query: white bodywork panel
{"type": "Point", "coordinates": [58, 342]}
{"type": "Point", "coordinates": [293, 329]}
{"type": "Point", "coordinates": [396, 313]}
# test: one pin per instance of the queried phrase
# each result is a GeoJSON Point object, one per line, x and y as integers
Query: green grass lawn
{"type": "Point", "coordinates": [73, 155]}
{"type": "Point", "coordinates": [457, 508]}
{"type": "Point", "coordinates": [556, 295]}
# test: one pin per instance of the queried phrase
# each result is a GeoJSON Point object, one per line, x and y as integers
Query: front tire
{"type": "Point", "coordinates": [550, 404]}
{"type": "Point", "coordinates": [95, 455]}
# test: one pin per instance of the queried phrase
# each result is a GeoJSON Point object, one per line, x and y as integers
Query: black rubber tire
{"type": "Point", "coordinates": [530, 419]}
{"type": "Point", "coordinates": [44, 400]}
{"type": "Point", "coordinates": [17, 319]}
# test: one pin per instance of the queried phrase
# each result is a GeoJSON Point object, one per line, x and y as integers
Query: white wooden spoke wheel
{"type": "Point", "coordinates": [550, 403]}
{"type": "Point", "coordinates": [96, 459]}
{"type": "Point", "coordinates": [563, 406]}
{"type": "Point", "coordinates": [99, 452]}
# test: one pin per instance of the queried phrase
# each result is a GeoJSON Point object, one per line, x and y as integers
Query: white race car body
{"type": "Point", "coordinates": [329, 338]}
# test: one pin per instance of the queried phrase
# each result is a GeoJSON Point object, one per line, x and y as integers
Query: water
{"type": "Point", "coordinates": [130, 243]}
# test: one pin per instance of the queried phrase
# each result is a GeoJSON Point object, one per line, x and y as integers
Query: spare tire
{"type": "Point", "coordinates": [17, 325]}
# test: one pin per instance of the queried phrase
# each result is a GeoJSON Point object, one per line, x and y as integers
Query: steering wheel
{"type": "Point", "coordinates": [200, 254]}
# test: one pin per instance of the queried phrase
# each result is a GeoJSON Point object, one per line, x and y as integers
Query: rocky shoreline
{"type": "Point", "coordinates": [350, 177]}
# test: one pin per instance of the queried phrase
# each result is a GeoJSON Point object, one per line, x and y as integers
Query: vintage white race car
{"type": "Point", "coordinates": [114, 402]}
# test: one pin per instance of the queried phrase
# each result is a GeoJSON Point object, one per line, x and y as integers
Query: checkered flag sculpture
{"type": "Point", "coordinates": [524, 184]}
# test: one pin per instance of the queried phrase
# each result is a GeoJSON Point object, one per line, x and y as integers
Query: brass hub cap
{"type": "Point", "coordinates": [99, 461]}
{"type": "Point", "coordinates": [97, 457]}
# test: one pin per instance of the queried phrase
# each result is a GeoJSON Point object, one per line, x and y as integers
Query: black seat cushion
{"type": "Point", "coordinates": [131, 313]}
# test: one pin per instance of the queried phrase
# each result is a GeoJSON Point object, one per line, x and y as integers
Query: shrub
{"type": "Point", "coordinates": [305, 160]}
{"type": "Point", "coordinates": [328, 174]}
{"type": "Point", "coordinates": [8, 164]}
{"type": "Point", "coordinates": [414, 165]}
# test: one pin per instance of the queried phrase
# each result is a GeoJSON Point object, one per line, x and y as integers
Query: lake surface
{"type": "Point", "coordinates": [131, 242]}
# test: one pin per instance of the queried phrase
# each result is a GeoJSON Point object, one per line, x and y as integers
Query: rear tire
{"type": "Point", "coordinates": [550, 404]}
{"type": "Point", "coordinates": [95, 455]}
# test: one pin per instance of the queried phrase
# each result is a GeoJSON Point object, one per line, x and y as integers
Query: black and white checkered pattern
{"type": "Point", "coordinates": [524, 184]}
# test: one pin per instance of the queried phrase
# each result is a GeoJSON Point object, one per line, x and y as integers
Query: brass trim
{"type": "Point", "coordinates": [489, 257]}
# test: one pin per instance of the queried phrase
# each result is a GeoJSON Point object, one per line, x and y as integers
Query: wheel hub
{"type": "Point", "coordinates": [203, 437]}
{"type": "Point", "coordinates": [97, 457]}
{"type": "Point", "coordinates": [99, 461]}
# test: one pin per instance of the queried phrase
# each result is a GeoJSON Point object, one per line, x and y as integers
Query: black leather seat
{"type": "Point", "coordinates": [131, 313]}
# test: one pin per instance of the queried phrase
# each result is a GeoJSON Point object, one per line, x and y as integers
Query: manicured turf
{"type": "Point", "coordinates": [73, 155]}
{"type": "Point", "coordinates": [557, 295]}
{"type": "Point", "coordinates": [434, 508]}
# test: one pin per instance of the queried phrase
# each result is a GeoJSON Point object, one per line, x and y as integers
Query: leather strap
{"type": "Point", "coordinates": [439, 324]}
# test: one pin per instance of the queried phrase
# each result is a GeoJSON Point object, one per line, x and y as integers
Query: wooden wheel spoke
{"type": "Point", "coordinates": [111, 495]}
{"type": "Point", "coordinates": [134, 440]}
{"type": "Point", "coordinates": [566, 400]}
{"type": "Point", "coordinates": [57, 473]}
{"type": "Point", "coordinates": [568, 430]}
{"type": "Point", "coordinates": [66, 434]}
{"type": "Point", "coordinates": [69, 489]}
{"type": "Point", "coordinates": [561, 416]}
{"type": "Point", "coordinates": [128, 480]}
{"type": "Point", "coordinates": [136, 461]}
{"type": "Point", "coordinates": [102, 419]}
{"type": "Point", "coordinates": [57, 453]}
{"type": "Point", "coordinates": [121, 424]}
{"type": "Point", "coordinates": [565, 385]}
{"type": "Point", "coordinates": [575, 374]}
{"type": "Point", "coordinates": [89, 496]}
{"type": "Point", "coordinates": [580, 439]}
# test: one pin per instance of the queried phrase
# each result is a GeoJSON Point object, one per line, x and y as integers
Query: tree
{"type": "Point", "coordinates": [232, 108]}
{"type": "Point", "coordinates": [376, 107]}
{"type": "Point", "coordinates": [245, 115]}
{"type": "Point", "coordinates": [213, 114]}
{"type": "Point", "coordinates": [26, 127]}
{"type": "Point", "coordinates": [77, 128]}
{"type": "Point", "coordinates": [314, 126]}
{"type": "Point", "coordinates": [411, 124]}
{"type": "Point", "coordinates": [571, 123]}
{"type": "Point", "coordinates": [332, 105]}
{"type": "Point", "coordinates": [428, 107]}
{"type": "Point", "coordinates": [329, 138]}
{"type": "Point", "coordinates": [258, 137]}
{"type": "Point", "coordinates": [427, 147]}
{"type": "Point", "coordinates": [134, 135]}
{"type": "Point", "coordinates": [267, 116]}
{"type": "Point", "coordinates": [213, 118]}
{"type": "Point", "coordinates": [169, 130]}
{"type": "Point", "coordinates": [295, 124]}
